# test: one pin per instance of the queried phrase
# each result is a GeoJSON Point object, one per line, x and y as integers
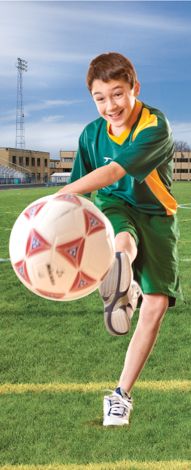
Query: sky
{"type": "Point", "coordinates": [60, 38]}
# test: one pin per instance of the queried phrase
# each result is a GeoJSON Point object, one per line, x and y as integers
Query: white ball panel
{"type": "Point", "coordinates": [18, 238]}
{"type": "Point", "coordinates": [57, 220]}
{"type": "Point", "coordinates": [51, 273]}
{"type": "Point", "coordinates": [97, 256]}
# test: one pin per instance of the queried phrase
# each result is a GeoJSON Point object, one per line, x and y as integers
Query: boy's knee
{"type": "Point", "coordinates": [153, 309]}
{"type": "Point", "coordinates": [124, 241]}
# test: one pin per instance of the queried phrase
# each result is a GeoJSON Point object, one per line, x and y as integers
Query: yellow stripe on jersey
{"type": "Point", "coordinates": [147, 120]}
{"type": "Point", "coordinates": [120, 139]}
{"type": "Point", "coordinates": [157, 187]}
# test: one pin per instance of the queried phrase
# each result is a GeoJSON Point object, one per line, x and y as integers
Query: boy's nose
{"type": "Point", "coordinates": [111, 106]}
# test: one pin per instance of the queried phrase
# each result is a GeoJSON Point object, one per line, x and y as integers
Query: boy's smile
{"type": "Point", "coordinates": [115, 101]}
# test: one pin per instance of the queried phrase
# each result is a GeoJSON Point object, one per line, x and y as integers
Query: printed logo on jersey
{"type": "Point", "coordinates": [107, 159]}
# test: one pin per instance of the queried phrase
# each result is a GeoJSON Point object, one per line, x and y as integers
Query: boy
{"type": "Point", "coordinates": [126, 154]}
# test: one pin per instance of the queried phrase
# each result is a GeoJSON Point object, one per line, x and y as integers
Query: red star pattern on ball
{"type": "Point", "coordinates": [82, 281]}
{"type": "Point", "coordinates": [93, 223]}
{"type": "Point", "coordinates": [36, 243]}
{"type": "Point", "coordinates": [21, 269]}
{"type": "Point", "coordinates": [69, 198]}
{"type": "Point", "coordinates": [32, 211]}
{"type": "Point", "coordinates": [72, 251]}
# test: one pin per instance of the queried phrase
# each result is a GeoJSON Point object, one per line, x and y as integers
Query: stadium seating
{"type": "Point", "coordinates": [11, 176]}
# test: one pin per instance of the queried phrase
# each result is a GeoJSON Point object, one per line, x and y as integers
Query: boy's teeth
{"type": "Point", "coordinates": [115, 114]}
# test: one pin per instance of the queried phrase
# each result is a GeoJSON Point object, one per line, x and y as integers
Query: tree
{"type": "Point", "coordinates": [181, 146]}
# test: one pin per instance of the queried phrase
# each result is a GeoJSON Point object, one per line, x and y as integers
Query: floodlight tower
{"type": "Point", "coordinates": [20, 131]}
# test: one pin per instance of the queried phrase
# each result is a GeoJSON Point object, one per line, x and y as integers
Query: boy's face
{"type": "Point", "coordinates": [115, 101]}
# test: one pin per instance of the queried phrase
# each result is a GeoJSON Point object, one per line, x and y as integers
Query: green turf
{"type": "Point", "coordinates": [43, 341]}
{"type": "Point", "coordinates": [46, 428]}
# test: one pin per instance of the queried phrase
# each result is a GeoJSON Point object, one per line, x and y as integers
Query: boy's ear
{"type": "Point", "coordinates": [137, 88]}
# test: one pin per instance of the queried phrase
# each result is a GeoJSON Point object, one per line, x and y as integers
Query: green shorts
{"type": "Point", "coordinates": [156, 265]}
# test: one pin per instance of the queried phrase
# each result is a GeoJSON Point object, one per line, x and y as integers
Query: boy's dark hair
{"type": "Point", "coordinates": [111, 66]}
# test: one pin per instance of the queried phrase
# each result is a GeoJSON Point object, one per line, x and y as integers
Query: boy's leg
{"type": "Point", "coordinates": [157, 274]}
{"type": "Point", "coordinates": [152, 311]}
{"type": "Point", "coordinates": [117, 407]}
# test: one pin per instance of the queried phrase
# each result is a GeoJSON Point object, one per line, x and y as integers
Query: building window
{"type": "Point", "coordinates": [38, 161]}
{"type": "Point", "coordinates": [45, 162]}
{"type": "Point", "coordinates": [14, 159]}
{"type": "Point", "coordinates": [27, 161]}
{"type": "Point", "coordinates": [33, 161]}
{"type": "Point", "coordinates": [182, 160]}
{"type": "Point", "coordinates": [67, 159]}
{"type": "Point", "coordinates": [182, 170]}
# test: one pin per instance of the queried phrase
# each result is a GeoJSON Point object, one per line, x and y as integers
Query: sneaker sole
{"type": "Point", "coordinates": [115, 422]}
{"type": "Point", "coordinates": [116, 319]}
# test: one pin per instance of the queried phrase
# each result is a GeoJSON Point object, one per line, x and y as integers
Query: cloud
{"type": "Point", "coordinates": [60, 38]}
{"type": "Point", "coordinates": [41, 105]}
{"type": "Point", "coordinates": [51, 20]}
{"type": "Point", "coordinates": [54, 118]}
{"type": "Point", "coordinates": [88, 12]}
{"type": "Point", "coordinates": [47, 104]}
{"type": "Point", "coordinates": [48, 135]}
{"type": "Point", "coordinates": [54, 136]}
{"type": "Point", "coordinates": [182, 131]}
{"type": "Point", "coordinates": [50, 34]}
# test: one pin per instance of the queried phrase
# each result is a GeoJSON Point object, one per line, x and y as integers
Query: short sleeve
{"type": "Point", "coordinates": [148, 151]}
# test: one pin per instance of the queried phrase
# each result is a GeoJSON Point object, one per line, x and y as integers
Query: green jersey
{"type": "Point", "coordinates": [145, 150]}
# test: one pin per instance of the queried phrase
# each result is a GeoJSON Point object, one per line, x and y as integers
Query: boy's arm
{"type": "Point", "coordinates": [97, 179]}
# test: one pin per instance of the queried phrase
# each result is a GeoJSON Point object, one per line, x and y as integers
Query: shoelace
{"type": "Point", "coordinates": [119, 406]}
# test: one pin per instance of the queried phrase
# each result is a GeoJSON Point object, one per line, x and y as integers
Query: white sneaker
{"type": "Point", "coordinates": [120, 295]}
{"type": "Point", "coordinates": [133, 295]}
{"type": "Point", "coordinates": [117, 409]}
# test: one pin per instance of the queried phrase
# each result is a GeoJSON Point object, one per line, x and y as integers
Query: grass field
{"type": "Point", "coordinates": [56, 360]}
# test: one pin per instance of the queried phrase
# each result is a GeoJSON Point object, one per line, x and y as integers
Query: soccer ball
{"type": "Point", "coordinates": [61, 247]}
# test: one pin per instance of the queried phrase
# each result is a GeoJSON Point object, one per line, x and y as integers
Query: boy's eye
{"type": "Point", "coordinates": [99, 99]}
{"type": "Point", "coordinates": [118, 94]}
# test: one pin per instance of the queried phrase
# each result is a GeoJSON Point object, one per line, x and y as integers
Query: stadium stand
{"type": "Point", "coordinates": [11, 176]}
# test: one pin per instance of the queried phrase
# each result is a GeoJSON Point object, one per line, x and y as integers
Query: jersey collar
{"type": "Point", "coordinates": [120, 139]}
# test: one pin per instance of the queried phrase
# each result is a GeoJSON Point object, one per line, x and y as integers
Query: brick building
{"type": "Point", "coordinates": [38, 166]}
{"type": "Point", "coordinates": [31, 163]}
{"type": "Point", "coordinates": [182, 166]}
{"type": "Point", "coordinates": [64, 164]}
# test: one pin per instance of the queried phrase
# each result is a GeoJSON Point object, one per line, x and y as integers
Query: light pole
{"type": "Point", "coordinates": [22, 66]}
